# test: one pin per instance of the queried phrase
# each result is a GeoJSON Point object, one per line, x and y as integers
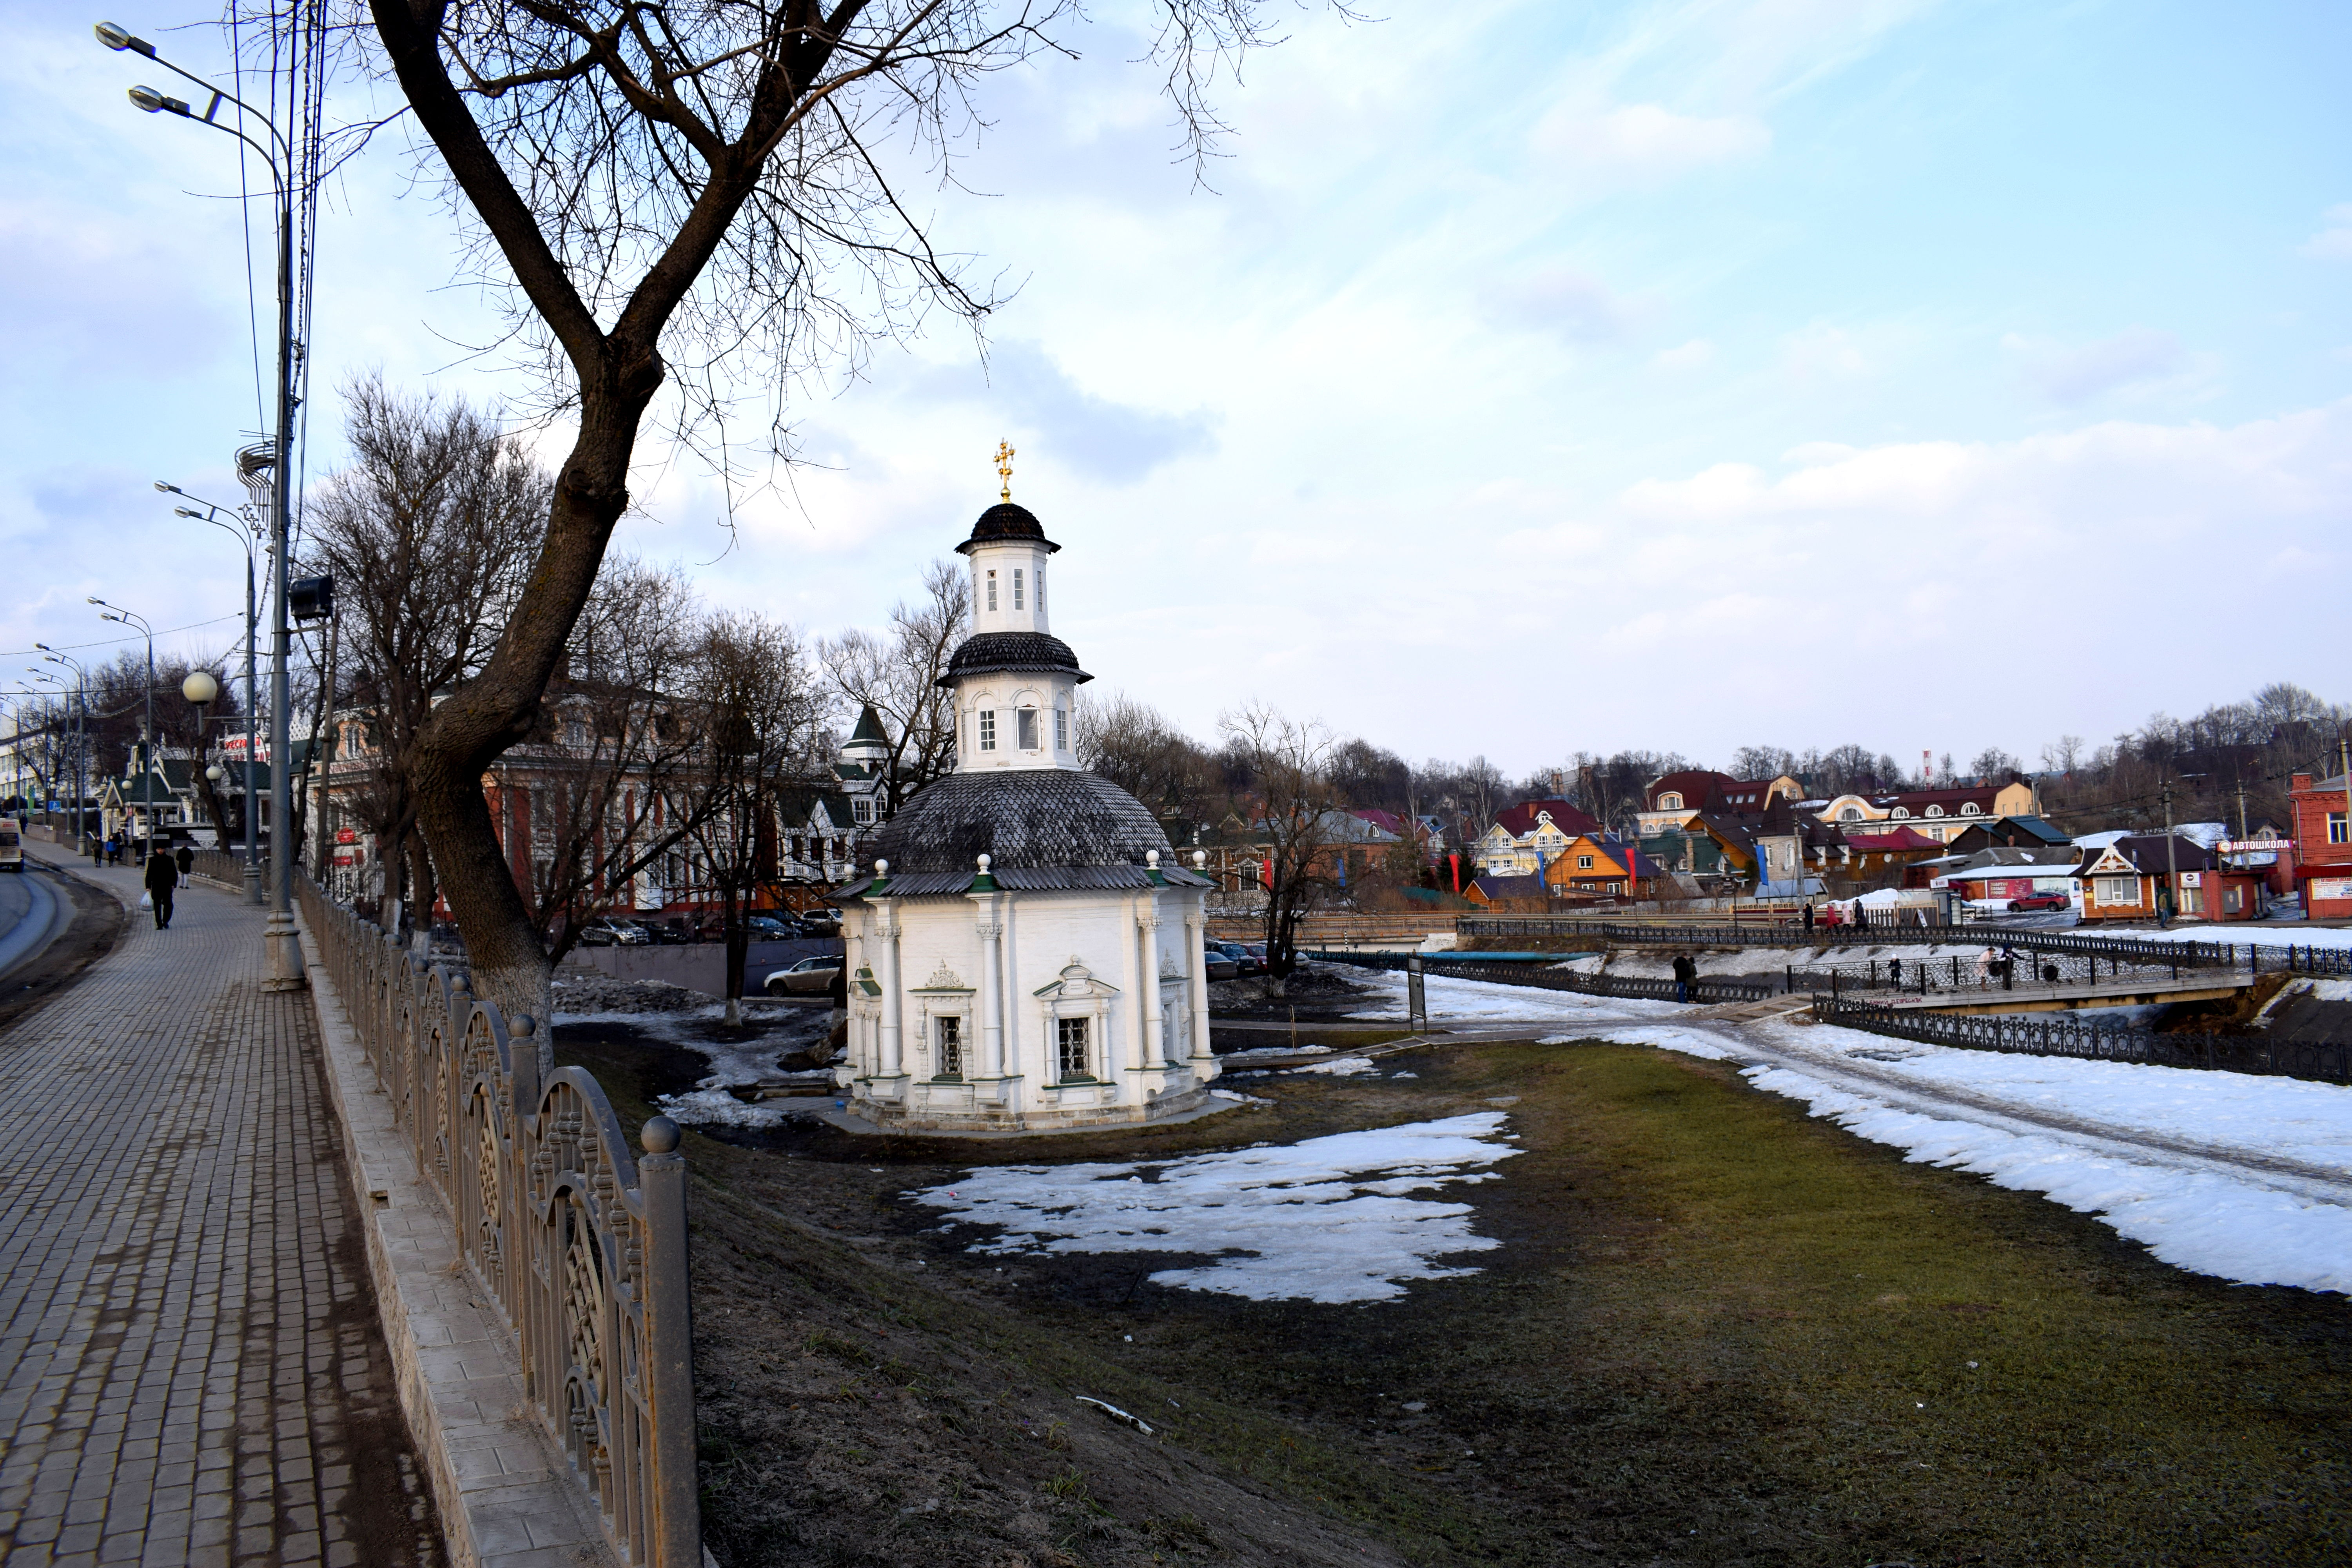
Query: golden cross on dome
{"type": "Point", "coordinates": [1004, 469]}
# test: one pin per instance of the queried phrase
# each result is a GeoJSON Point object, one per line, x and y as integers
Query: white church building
{"type": "Point", "coordinates": [1027, 953]}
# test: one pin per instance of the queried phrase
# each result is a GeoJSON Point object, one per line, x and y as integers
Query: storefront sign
{"type": "Point", "coordinates": [2331, 888]}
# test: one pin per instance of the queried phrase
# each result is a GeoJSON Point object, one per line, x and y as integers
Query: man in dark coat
{"type": "Point", "coordinates": [1685, 972]}
{"type": "Point", "coordinates": [187, 858]}
{"type": "Point", "coordinates": [162, 876]}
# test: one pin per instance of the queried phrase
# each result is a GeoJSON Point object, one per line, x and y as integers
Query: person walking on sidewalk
{"type": "Point", "coordinates": [162, 876]}
{"type": "Point", "coordinates": [1685, 972]}
{"type": "Point", "coordinates": [187, 858]}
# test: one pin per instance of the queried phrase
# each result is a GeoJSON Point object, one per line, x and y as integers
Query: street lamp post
{"type": "Point", "coordinates": [147, 762]}
{"type": "Point", "coordinates": [282, 948]}
{"type": "Point", "coordinates": [81, 735]}
{"type": "Point", "coordinates": [245, 535]}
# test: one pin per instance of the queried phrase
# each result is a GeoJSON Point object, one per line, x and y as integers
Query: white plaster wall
{"type": "Point", "coordinates": [1043, 933]}
{"type": "Point", "coordinates": [1005, 559]}
{"type": "Point", "coordinates": [1005, 694]}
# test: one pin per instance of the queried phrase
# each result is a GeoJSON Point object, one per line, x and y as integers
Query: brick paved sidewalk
{"type": "Point", "coordinates": [191, 1366]}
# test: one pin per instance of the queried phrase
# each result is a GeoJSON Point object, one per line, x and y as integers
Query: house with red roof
{"type": "Point", "coordinates": [1526, 838]}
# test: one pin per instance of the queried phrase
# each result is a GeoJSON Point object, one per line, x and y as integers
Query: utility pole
{"type": "Point", "coordinates": [2171, 852]}
{"type": "Point", "coordinates": [2241, 808]}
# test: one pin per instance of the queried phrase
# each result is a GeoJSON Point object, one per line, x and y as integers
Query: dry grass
{"type": "Point", "coordinates": [1717, 1333]}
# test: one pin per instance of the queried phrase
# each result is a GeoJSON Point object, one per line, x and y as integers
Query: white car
{"type": "Point", "coordinates": [809, 977]}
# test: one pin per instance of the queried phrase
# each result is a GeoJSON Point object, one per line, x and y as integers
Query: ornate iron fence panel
{"type": "Point", "coordinates": [1544, 977]}
{"type": "Point", "coordinates": [2261, 958]}
{"type": "Point", "coordinates": [581, 1245]}
{"type": "Point", "coordinates": [2065, 1034]}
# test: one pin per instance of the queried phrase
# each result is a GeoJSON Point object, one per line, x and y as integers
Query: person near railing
{"type": "Point", "coordinates": [1685, 972]}
{"type": "Point", "coordinates": [187, 860]}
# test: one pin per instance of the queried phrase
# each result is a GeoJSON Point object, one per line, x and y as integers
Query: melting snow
{"type": "Point", "coordinates": [1330, 1219]}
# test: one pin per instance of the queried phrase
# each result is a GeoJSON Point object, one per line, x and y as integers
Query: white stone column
{"type": "Point", "coordinates": [1147, 922]}
{"type": "Point", "coordinates": [1196, 959]}
{"type": "Point", "coordinates": [886, 974]}
{"type": "Point", "coordinates": [992, 988]}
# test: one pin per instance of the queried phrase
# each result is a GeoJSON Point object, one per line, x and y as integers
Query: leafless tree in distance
{"type": "Point", "coordinates": [428, 531]}
{"type": "Point", "coordinates": [898, 674]}
{"type": "Point", "coordinates": [1297, 813]}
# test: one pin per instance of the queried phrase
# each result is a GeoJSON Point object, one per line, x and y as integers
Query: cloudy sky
{"type": "Point", "coordinates": [1679, 375]}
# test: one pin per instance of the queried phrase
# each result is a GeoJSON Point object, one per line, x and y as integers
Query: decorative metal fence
{"type": "Point", "coordinates": [2041, 971]}
{"type": "Point", "coordinates": [2065, 1034]}
{"type": "Point", "coordinates": [221, 867]}
{"type": "Point", "coordinates": [582, 1246]}
{"type": "Point", "coordinates": [2253, 957]}
{"type": "Point", "coordinates": [1544, 977]}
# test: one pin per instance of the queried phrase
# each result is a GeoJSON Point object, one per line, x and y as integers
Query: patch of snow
{"type": "Point", "coordinates": [1457, 1001]}
{"type": "Point", "coordinates": [1685, 1041]}
{"type": "Point", "coordinates": [1330, 1219]}
{"type": "Point", "coordinates": [2194, 1219]}
{"type": "Point", "coordinates": [717, 1108]}
{"type": "Point", "coordinates": [1346, 1067]}
{"type": "Point", "coordinates": [2234, 931]}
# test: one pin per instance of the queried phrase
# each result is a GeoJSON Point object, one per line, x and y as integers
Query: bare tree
{"type": "Point", "coordinates": [428, 531]}
{"type": "Point", "coordinates": [1135, 747]}
{"type": "Point", "coordinates": [1297, 817]}
{"type": "Point", "coordinates": [898, 675]}
{"type": "Point", "coordinates": [688, 195]}
{"type": "Point", "coordinates": [612, 768]}
{"type": "Point", "coordinates": [761, 706]}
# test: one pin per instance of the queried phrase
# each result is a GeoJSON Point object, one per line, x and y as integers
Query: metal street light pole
{"type": "Point", "coordinates": [280, 946]}
{"type": "Point", "coordinates": [81, 737]}
{"type": "Point", "coordinates": [147, 763]}
{"type": "Point", "coordinates": [245, 535]}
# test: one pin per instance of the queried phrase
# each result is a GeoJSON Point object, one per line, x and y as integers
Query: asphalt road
{"type": "Point", "coordinates": [33, 912]}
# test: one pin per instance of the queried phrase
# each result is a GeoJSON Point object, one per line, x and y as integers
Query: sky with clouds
{"type": "Point", "coordinates": [1680, 375]}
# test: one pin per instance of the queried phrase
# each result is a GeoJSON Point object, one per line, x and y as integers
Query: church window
{"type": "Point", "coordinates": [988, 729]}
{"type": "Point", "coordinates": [1041, 587]}
{"type": "Point", "coordinates": [948, 1032]}
{"type": "Point", "coordinates": [1016, 588]}
{"type": "Point", "coordinates": [1070, 1043]}
{"type": "Point", "coordinates": [1061, 715]}
{"type": "Point", "coordinates": [1027, 727]}
{"type": "Point", "coordinates": [992, 590]}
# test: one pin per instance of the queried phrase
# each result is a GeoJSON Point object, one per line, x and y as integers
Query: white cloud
{"type": "Point", "coordinates": [1821, 352]}
{"type": "Point", "coordinates": [1695, 354]}
{"type": "Point", "coordinates": [1577, 305]}
{"type": "Point", "coordinates": [2333, 243]}
{"type": "Point", "coordinates": [1644, 143]}
{"type": "Point", "coordinates": [2137, 358]}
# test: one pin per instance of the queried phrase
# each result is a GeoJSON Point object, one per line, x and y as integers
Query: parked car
{"type": "Point", "coordinates": [671, 933]}
{"type": "Point", "coordinates": [1253, 957]}
{"type": "Point", "coordinates": [820, 922]}
{"type": "Point", "coordinates": [772, 928]}
{"type": "Point", "coordinates": [1233, 953]}
{"type": "Point", "coordinates": [1218, 964]}
{"type": "Point", "coordinates": [2042, 901]}
{"type": "Point", "coordinates": [612, 930]}
{"type": "Point", "coordinates": [809, 977]}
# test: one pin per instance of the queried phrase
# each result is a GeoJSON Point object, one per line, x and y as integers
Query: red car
{"type": "Point", "coordinates": [2042, 901]}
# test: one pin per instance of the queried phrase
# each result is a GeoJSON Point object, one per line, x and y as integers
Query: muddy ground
{"type": "Point", "coordinates": [1716, 1332]}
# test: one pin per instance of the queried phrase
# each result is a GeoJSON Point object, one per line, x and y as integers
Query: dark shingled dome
{"type": "Point", "coordinates": [1022, 818]}
{"type": "Point", "coordinates": [1012, 651]}
{"type": "Point", "coordinates": [1006, 520]}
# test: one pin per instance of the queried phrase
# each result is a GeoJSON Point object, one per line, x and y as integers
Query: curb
{"type": "Point", "coordinates": [507, 1497]}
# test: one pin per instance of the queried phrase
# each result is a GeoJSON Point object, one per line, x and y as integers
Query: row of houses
{"type": "Point", "coordinates": [1702, 834]}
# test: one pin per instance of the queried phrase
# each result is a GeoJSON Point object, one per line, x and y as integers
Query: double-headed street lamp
{"type": "Point", "coordinates": [82, 732]}
{"type": "Point", "coordinates": [283, 954]}
{"type": "Point", "coordinates": [147, 766]}
{"type": "Point", "coordinates": [246, 533]}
